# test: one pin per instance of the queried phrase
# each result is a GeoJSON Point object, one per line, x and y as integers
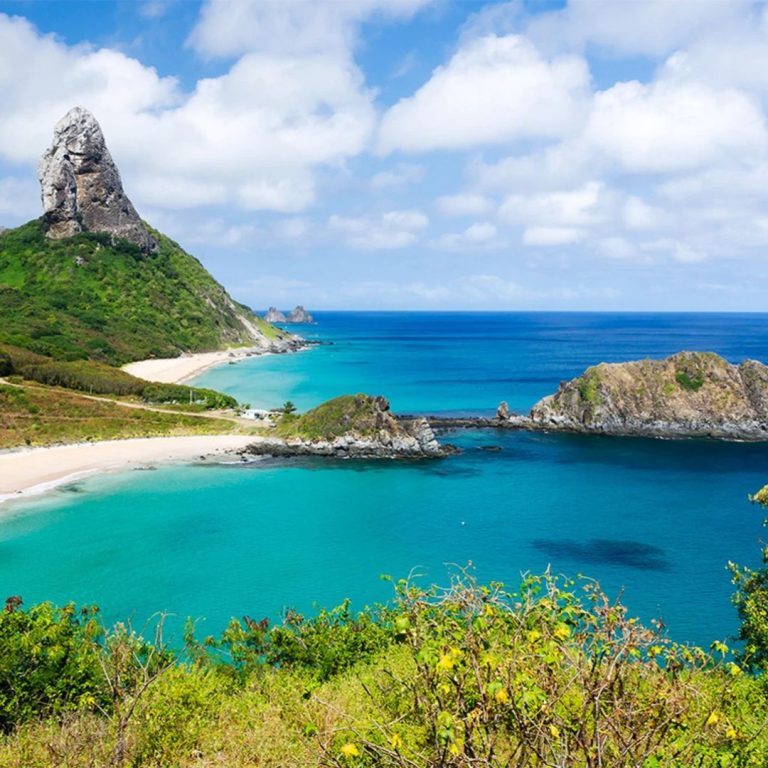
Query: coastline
{"type": "Point", "coordinates": [34, 471]}
{"type": "Point", "coordinates": [179, 370]}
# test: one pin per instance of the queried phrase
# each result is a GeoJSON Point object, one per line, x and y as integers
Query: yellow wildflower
{"type": "Point", "coordinates": [713, 719]}
{"type": "Point", "coordinates": [554, 731]}
{"type": "Point", "coordinates": [396, 741]}
{"type": "Point", "coordinates": [562, 631]}
{"type": "Point", "coordinates": [349, 750]}
{"type": "Point", "coordinates": [502, 697]}
{"type": "Point", "coordinates": [734, 669]}
{"type": "Point", "coordinates": [731, 733]}
{"type": "Point", "coordinates": [533, 636]}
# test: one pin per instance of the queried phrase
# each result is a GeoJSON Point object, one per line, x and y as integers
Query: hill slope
{"type": "Point", "coordinates": [93, 295]}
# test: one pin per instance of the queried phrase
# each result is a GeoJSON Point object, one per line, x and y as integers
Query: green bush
{"type": "Point", "coordinates": [48, 662]}
{"type": "Point", "coordinates": [691, 383]}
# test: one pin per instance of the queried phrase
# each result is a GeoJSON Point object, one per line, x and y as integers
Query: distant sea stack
{"type": "Point", "coordinates": [81, 186]}
{"type": "Point", "coordinates": [300, 316]}
{"type": "Point", "coordinates": [690, 394]}
{"type": "Point", "coordinates": [274, 316]}
{"type": "Point", "coordinates": [297, 316]}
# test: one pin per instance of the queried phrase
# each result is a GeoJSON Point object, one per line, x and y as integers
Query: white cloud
{"type": "Point", "coordinates": [386, 231]}
{"type": "Point", "coordinates": [576, 207]}
{"type": "Point", "coordinates": [493, 90]}
{"type": "Point", "coordinates": [544, 236]}
{"type": "Point", "coordinates": [470, 204]}
{"type": "Point", "coordinates": [617, 248]}
{"type": "Point", "coordinates": [227, 28]}
{"type": "Point", "coordinates": [252, 137]}
{"type": "Point", "coordinates": [674, 126]}
{"type": "Point", "coordinates": [637, 214]}
{"type": "Point", "coordinates": [478, 236]}
{"type": "Point", "coordinates": [399, 175]}
{"type": "Point", "coordinates": [635, 27]}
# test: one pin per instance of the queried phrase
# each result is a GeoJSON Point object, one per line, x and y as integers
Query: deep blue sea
{"type": "Point", "coordinates": [655, 520]}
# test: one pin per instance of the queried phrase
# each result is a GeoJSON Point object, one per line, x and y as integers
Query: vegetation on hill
{"type": "Point", "coordinates": [94, 296]}
{"type": "Point", "coordinates": [359, 414]}
{"type": "Point", "coordinates": [36, 415]}
{"type": "Point", "coordinates": [99, 378]}
{"type": "Point", "coordinates": [554, 674]}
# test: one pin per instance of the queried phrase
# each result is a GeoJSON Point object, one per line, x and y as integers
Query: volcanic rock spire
{"type": "Point", "coordinates": [81, 187]}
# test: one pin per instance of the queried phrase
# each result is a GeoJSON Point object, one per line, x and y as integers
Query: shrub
{"type": "Point", "coordinates": [48, 661]}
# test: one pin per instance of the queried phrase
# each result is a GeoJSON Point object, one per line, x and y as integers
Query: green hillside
{"type": "Point", "coordinates": [91, 296]}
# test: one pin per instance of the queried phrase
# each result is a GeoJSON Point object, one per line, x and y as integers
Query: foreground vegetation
{"type": "Point", "coordinates": [95, 297]}
{"type": "Point", "coordinates": [554, 674]}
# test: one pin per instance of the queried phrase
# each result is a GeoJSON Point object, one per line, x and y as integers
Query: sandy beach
{"type": "Point", "coordinates": [176, 370]}
{"type": "Point", "coordinates": [33, 471]}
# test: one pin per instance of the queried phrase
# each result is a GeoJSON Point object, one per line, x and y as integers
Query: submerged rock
{"type": "Point", "coordinates": [690, 394]}
{"type": "Point", "coordinates": [81, 186]}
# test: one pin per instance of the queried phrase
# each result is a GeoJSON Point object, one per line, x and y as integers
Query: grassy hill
{"type": "Point", "coordinates": [91, 296]}
{"type": "Point", "coordinates": [36, 415]}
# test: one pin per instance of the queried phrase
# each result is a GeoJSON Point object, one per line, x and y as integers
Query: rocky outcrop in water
{"type": "Point", "coordinates": [81, 186]}
{"type": "Point", "coordinates": [300, 316]}
{"type": "Point", "coordinates": [352, 426]}
{"type": "Point", "coordinates": [690, 394]}
{"type": "Point", "coordinates": [274, 315]}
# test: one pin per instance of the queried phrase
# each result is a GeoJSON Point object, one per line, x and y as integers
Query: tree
{"type": "Point", "coordinates": [751, 601]}
{"type": "Point", "coordinates": [288, 408]}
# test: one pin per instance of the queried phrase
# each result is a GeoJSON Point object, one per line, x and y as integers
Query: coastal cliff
{"type": "Point", "coordinates": [354, 426]}
{"type": "Point", "coordinates": [690, 394]}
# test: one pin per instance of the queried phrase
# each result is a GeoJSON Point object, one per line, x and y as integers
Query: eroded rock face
{"type": "Point", "coordinates": [690, 394]}
{"type": "Point", "coordinates": [81, 186]}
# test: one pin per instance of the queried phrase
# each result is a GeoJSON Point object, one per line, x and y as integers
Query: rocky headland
{"type": "Point", "coordinates": [351, 426]}
{"type": "Point", "coordinates": [690, 394]}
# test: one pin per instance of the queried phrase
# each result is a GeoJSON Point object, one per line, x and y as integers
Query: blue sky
{"type": "Point", "coordinates": [421, 154]}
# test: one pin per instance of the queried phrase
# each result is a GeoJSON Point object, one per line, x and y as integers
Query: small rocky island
{"type": "Point", "coordinates": [351, 426]}
{"type": "Point", "coordinates": [297, 316]}
{"type": "Point", "coordinates": [690, 394]}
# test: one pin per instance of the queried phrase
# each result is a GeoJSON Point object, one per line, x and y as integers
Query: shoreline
{"type": "Point", "coordinates": [31, 472]}
{"type": "Point", "coordinates": [179, 370]}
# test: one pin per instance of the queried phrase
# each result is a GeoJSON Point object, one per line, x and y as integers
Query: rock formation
{"type": "Point", "coordinates": [81, 187]}
{"type": "Point", "coordinates": [690, 394]}
{"type": "Point", "coordinates": [352, 426]}
{"type": "Point", "coordinates": [274, 316]}
{"type": "Point", "coordinates": [300, 316]}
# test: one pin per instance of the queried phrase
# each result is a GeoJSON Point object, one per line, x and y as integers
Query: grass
{"type": "Point", "coordinates": [89, 297]}
{"type": "Point", "coordinates": [340, 416]}
{"type": "Point", "coordinates": [37, 416]}
{"type": "Point", "coordinates": [688, 382]}
{"type": "Point", "coordinates": [589, 384]}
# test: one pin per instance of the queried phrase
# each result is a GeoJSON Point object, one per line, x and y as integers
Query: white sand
{"type": "Point", "coordinates": [175, 370]}
{"type": "Point", "coordinates": [32, 471]}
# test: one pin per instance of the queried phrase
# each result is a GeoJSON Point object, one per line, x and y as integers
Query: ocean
{"type": "Point", "coordinates": [653, 521]}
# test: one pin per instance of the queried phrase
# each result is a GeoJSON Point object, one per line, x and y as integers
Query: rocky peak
{"type": "Point", "coordinates": [274, 315]}
{"type": "Point", "coordinates": [81, 186]}
{"type": "Point", "coordinates": [299, 315]}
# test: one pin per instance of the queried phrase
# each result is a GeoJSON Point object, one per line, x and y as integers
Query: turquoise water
{"type": "Point", "coordinates": [658, 519]}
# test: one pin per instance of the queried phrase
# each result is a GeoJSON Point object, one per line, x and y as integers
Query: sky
{"type": "Point", "coordinates": [419, 154]}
